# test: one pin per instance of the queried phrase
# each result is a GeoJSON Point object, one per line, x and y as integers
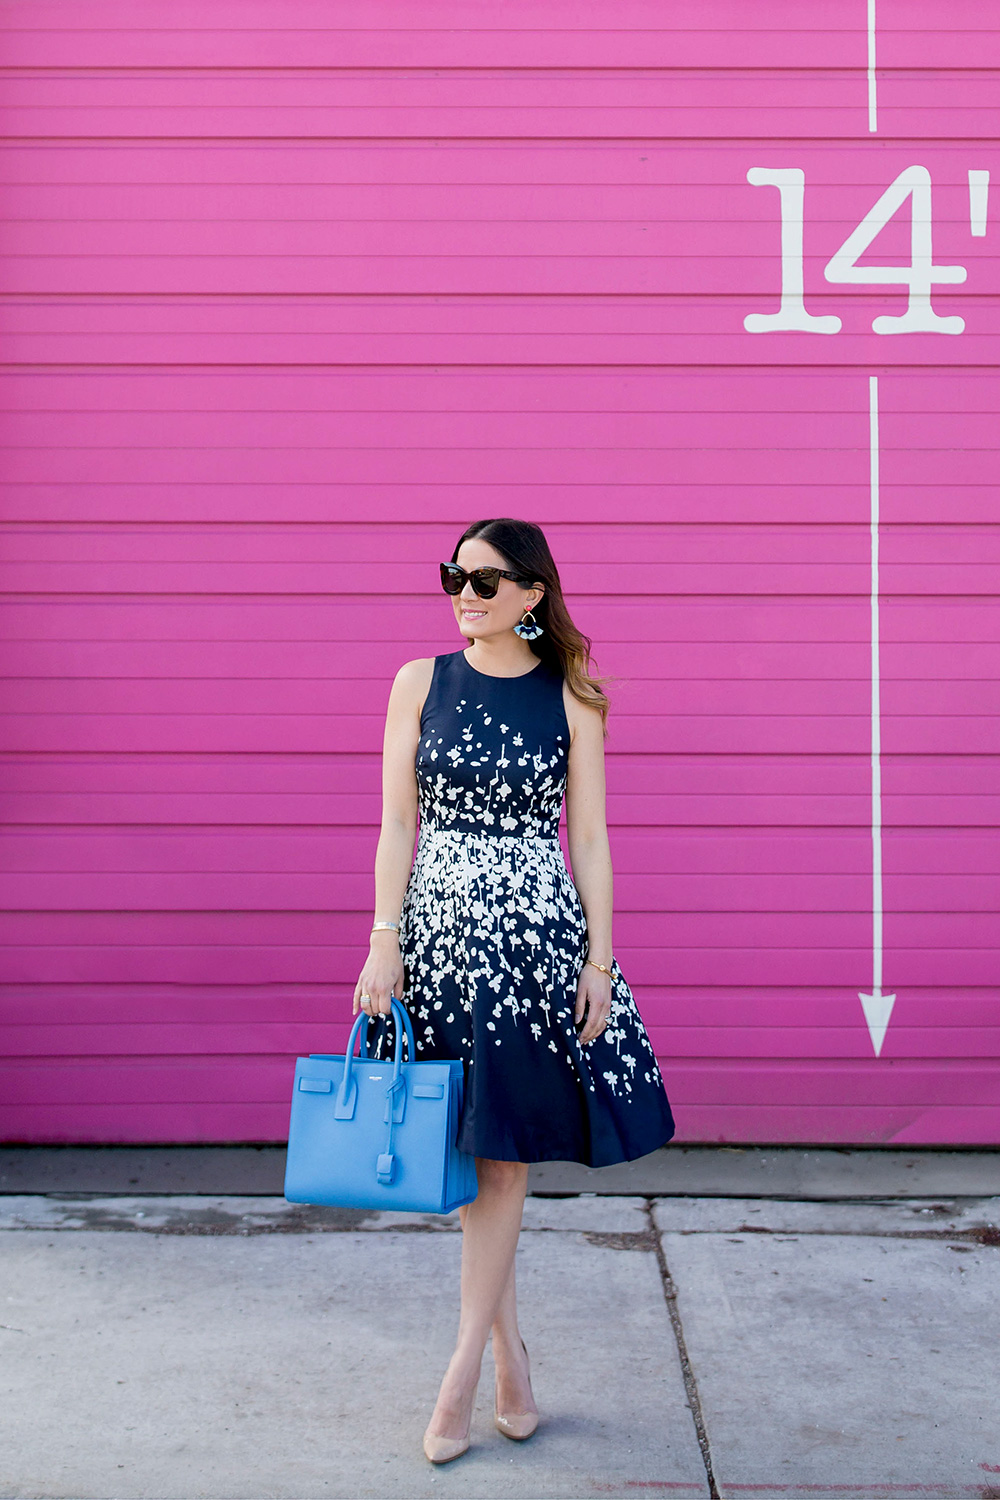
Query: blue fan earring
{"type": "Point", "coordinates": [528, 627]}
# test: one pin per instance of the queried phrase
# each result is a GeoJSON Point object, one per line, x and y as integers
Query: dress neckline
{"type": "Point", "coordinates": [492, 677]}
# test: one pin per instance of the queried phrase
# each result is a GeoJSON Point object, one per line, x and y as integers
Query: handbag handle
{"type": "Point", "coordinates": [398, 1009]}
{"type": "Point", "coordinates": [347, 1094]}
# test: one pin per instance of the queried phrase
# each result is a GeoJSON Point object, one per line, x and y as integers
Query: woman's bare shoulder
{"type": "Point", "coordinates": [417, 673]}
{"type": "Point", "coordinates": [413, 680]}
{"type": "Point", "coordinates": [581, 717]}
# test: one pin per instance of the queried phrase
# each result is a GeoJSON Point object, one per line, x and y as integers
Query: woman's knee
{"type": "Point", "coordinates": [501, 1176]}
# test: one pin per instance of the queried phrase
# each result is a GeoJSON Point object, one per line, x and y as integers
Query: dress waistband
{"type": "Point", "coordinates": [463, 835]}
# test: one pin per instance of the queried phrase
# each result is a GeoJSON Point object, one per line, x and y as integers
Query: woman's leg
{"type": "Point", "coordinates": [509, 1355]}
{"type": "Point", "coordinates": [491, 1224]}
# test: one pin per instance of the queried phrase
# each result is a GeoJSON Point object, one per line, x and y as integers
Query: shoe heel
{"type": "Point", "coordinates": [517, 1425]}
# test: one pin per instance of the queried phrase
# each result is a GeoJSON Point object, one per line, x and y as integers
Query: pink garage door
{"type": "Point", "coordinates": [294, 291]}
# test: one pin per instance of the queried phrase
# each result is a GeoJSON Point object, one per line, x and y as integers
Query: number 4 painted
{"type": "Point", "coordinates": [919, 276]}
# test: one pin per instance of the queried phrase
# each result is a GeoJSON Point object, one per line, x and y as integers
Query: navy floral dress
{"type": "Point", "coordinates": [493, 936]}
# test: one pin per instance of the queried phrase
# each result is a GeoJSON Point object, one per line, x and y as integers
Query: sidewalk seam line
{"type": "Point", "coordinates": [687, 1369]}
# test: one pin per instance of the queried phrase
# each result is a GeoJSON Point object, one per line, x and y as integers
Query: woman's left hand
{"type": "Point", "coordinates": [594, 989]}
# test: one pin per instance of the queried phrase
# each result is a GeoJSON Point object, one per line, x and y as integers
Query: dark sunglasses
{"type": "Point", "coordinates": [485, 581]}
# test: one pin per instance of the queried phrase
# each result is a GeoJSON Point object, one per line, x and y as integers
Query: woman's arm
{"type": "Point", "coordinates": [382, 976]}
{"type": "Point", "coordinates": [590, 856]}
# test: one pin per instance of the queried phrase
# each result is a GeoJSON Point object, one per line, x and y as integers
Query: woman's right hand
{"type": "Point", "coordinates": [382, 977]}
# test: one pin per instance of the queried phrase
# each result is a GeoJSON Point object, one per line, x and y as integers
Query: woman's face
{"type": "Point", "coordinates": [481, 618]}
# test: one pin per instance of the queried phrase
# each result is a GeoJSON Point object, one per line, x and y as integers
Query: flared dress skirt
{"type": "Point", "coordinates": [493, 935]}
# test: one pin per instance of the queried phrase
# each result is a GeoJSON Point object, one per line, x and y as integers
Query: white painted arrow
{"type": "Point", "coordinates": [872, 81]}
{"type": "Point", "coordinates": [878, 1009]}
{"type": "Point", "coordinates": [877, 1005]}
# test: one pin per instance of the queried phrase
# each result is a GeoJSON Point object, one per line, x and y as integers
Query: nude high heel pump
{"type": "Point", "coordinates": [516, 1424]}
{"type": "Point", "coordinates": [441, 1450]}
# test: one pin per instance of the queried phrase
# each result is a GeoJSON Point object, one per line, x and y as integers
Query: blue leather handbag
{"type": "Point", "coordinates": [371, 1134]}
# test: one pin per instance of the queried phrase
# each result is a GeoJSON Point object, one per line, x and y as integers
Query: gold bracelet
{"type": "Point", "coordinates": [379, 926]}
{"type": "Point", "coordinates": [604, 968]}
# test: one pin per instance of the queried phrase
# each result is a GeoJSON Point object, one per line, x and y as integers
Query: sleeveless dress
{"type": "Point", "coordinates": [493, 936]}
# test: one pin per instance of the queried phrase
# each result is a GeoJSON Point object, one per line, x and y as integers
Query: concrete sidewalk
{"type": "Point", "coordinates": [181, 1347]}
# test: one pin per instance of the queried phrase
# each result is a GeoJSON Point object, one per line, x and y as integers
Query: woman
{"type": "Point", "coordinates": [501, 959]}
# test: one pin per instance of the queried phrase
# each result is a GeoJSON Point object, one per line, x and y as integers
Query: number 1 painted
{"type": "Point", "coordinates": [791, 316]}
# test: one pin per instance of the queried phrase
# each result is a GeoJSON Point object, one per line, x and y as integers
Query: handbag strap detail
{"type": "Point", "coordinates": [395, 1094]}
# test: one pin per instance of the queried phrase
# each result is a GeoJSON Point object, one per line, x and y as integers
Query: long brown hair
{"type": "Point", "coordinates": [525, 550]}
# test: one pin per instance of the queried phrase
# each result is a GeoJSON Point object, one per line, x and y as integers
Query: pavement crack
{"type": "Point", "coordinates": [987, 1235]}
{"type": "Point", "coordinates": [687, 1369]}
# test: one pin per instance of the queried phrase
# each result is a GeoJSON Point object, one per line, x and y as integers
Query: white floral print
{"type": "Point", "coordinates": [492, 932]}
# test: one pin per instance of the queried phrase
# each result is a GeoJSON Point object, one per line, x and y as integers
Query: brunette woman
{"type": "Point", "coordinates": [502, 959]}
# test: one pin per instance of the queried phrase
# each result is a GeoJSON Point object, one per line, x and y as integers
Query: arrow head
{"type": "Point", "coordinates": [877, 1008]}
